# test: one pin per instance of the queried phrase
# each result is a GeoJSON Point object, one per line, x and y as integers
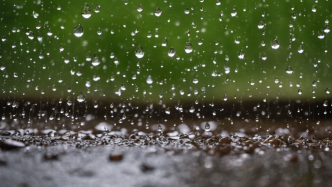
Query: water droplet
{"type": "Point", "coordinates": [86, 11]}
{"type": "Point", "coordinates": [139, 52]}
{"type": "Point", "coordinates": [260, 24]}
{"type": "Point", "coordinates": [78, 31]}
{"type": "Point", "coordinates": [54, 88]}
{"type": "Point", "coordinates": [149, 80]}
{"type": "Point", "coordinates": [157, 12]}
{"type": "Point", "coordinates": [234, 12]}
{"type": "Point", "coordinates": [95, 60]}
{"type": "Point", "coordinates": [299, 91]}
{"type": "Point", "coordinates": [97, 9]}
{"type": "Point", "coordinates": [80, 97]}
{"type": "Point", "coordinates": [207, 127]}
{"type": "Point", "coordinates": [314, 83]}
{"type": "Point", "coordinates": [225, 97]}
{"type": "Point", "coordinates": [192, 109]}
{"type": "Point", "coordinates": [140, 8]}
{"type": "Point", "coordinates": [289, 70]}
{"type": "Point", "coordinates": [164, 43]}
{"type": "Point", "coordinates": [49, 33]}
{"type": "Point", "coordinates": [187, 11]}
{"type": "Point", "coordinates": [171, 52]}
{"type": "Point", "coordinates": [325, 103]}
{"type": "Point", "coordinates": [99, 32]}
{"type": "Point", "coordinates": [188, 48]}
{"type": "Point", "coordinates": [195, 81]}
{"type": "Point", "coordinates": [275, 44]}
{"type": "Point", "coordinates": [327, 28]}
{"type": "Point", "coordinates": [241, 54]}
{"type": "Point", "coordinates": [160, 128]}
{"type": "Point", "coordinates": [167, 111]}
{"type": "Point", "coordinates": [31, 35]}
{"type": "Point", "coordinates": [327, 91]}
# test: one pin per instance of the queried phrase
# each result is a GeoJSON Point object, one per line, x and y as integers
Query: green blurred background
{"type": "Point", "coordinates": [118, 19]}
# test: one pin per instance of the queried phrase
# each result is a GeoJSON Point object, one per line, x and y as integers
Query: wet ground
{"type": "Point", "coordinates": [264, 144]}
{"type": "Point", "coordinates": [203, 158]}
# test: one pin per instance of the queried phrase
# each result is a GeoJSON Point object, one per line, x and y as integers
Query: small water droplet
{"type": "Point", "coordinates": [78, 31]}
{"type": "Point", "coordinates": [188, 48]}
{"type": "Point", "coordinates": [139, 52]}
{"type": "Point", "coordinates": [207, 127]}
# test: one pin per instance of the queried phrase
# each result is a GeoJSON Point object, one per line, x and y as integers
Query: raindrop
{"type": "Point", "coordinates": [97, 9]}
{"type": "Point", "coordinates": [157, 12]}
{"type": "Point", "coordinates": [314, 83]}
{"type": "Point", "coordinates": [160, 128]}
{"type": "Point", "coordinates": [241, 54]}
{"type": "Point", "coordinates": [171, 52]}
{"type": "Point", "coordinates": [195, 81]}
{"type": "Point", "coordinates": [327, 91]}
{"type": "Point", "coordinates": [207, 127]}
{"type": "Point", "coordinates": [49, 33]}
{"type": "Point", "coordinates": [78, 31]}
{"type": "Point", "coordinates": [95, 60]}
{"type": "Point", "coordinates": [325, 103]}
{"type": "Point", "coordinates": [275, 44]}
{"type": "Point", "coordinates": [38, 26]}
{"type": "Point", "coordinates": [192, 109]}
{"type": "Point", "coordinates": [149, 80]}
{"type": "Point", "coordinates": [86, 11]}
{"type": "Point", "coordinates": [299, 91]}
{"type": "Point", "coordinates": [54, 88]}
{"type": "Point", "coordinates": [167, 111]}
{"type": "Point", "coordinates": [149, 35]}
{"type": "Point", "coordinates": [164, 44]}
{"type": "Point", "coordinates": [140, 8]}
{"type": "Point", "coordinates": [289, 70]}
{"type": "Point", "coordinates": [225, 97]}
{"type": "Point", "coordinates": [234, 12]}
{"type": "Point", "coordinates": [80, 97]}
{"type": "Point", "coordinates": [218, 2]}
{"type": "Point", "coordinates": [99, 32]}
{"type": "Point", "coordinates": [200, 42]}
{"type": "Point", "coordinates": [260, 24]}
{"type": "Point", "coordinates": [327, 28]}
{"type": "Point", "coordinates": [31, 35]}
{"type": "Point", "coordinates": [188, 48]}
{"type": "Point", "coordinates": [300, 50]}
{"type": "Point", "coordinates": [139, 52]}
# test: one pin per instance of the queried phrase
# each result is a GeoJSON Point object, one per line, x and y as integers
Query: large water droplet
{"type": "Point", "coordinates": [86, 11]}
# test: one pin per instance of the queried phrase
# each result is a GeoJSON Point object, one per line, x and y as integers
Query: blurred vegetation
{"type": "Point", "coordinates": [118, 20]}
